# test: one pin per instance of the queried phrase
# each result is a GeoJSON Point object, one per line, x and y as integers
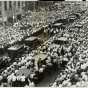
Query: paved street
{"type": "Point", "coordinates": [49, 79]}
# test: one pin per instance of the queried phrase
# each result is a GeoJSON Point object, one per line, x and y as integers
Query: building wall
{"type": "Point", "coordinates": [10, 9]}
{"type": "Point", "coordinates": [0, 12]}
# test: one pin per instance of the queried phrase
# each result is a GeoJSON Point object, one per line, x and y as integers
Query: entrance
{"type": "Point", "coordinates": [19, 17]}
{"type": "Point", "coordinates": [10, 20]}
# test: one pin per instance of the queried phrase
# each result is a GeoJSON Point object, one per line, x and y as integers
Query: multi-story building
{"type": "Point", "coordinates": [11, 10]}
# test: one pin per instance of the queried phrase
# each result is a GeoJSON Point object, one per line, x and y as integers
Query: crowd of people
{"type": "Point", "coordinates": [36, 69]}
{"type": "Point", "coordinates": [70, 58]}
{"type": "Point", "coordinates": [44, 17]}
{"type": "Point", "coordinates": [75, 72]}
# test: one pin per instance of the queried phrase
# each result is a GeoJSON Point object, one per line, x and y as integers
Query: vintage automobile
{"type": "Point", "coordinates": [61, 40]}
{"type": "Point", "coordinates": [32, 42]}
{"type": "Point", "coordinates": [72, 17]}
{"type": "Point", "coordinates": [37, 32]}
{"type": "Point", "coordinates": [15, 50]}
{"type": "Point", "coordinates": [21, 83]}
{"type": "Point", "coordinates": [57, 25]}
{"type": "Point", "coordinates": [63, 21]}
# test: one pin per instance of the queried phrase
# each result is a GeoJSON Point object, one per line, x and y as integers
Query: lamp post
{"type": "Point", "coordinates": [14, 10]}
{"type": "Point", "coordinates": [13, 19]}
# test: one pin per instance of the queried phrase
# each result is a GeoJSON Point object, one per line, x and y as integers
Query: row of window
{"type": "Point", "coordinates": [10, 4]}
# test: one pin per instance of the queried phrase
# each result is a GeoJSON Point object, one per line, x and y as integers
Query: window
{"type": "Point", "coordinates": [18, 3]}
{"type": "Point", "coordinates": [5, 5]}
{"type": "Point", "coordinates": [14, 3]}
{"type": "Point", "coordinates": [0, 13]}
{"type": "Point", "coordinates": [0, 3]}
{"type": "Point", "coordinates": [22, 3]}
{"type": "Point", "coordinates": [10, 4]}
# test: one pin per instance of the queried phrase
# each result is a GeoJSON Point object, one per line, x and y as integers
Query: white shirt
{"type": "Point", "coordinates": [31, 75]}
{"type": "Point", "coordinates": [18, 78]}
{"type": "Point", "coordinates": [22, 78]}
{"type": "Point", "coordinates": [9, 78]}
{"type": "Point", "coordinates": [14, 78]}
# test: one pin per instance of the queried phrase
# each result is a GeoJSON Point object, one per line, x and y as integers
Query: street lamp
{"type": "Point", "coordinates": [13, 18]}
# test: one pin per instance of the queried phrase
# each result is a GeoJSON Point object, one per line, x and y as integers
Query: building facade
{"type": "Point", "coordinates": [11, 10]}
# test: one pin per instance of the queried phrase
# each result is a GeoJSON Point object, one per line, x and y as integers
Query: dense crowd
{"type": "Point", "coordinates": [75, 72]}
{"type": "Point", "coordinates": [44, 17]}
{"type": "Point", "coordinates": [70, 58]}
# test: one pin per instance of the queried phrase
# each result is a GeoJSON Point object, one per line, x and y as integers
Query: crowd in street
{"type": "Point", "coordinates": [75, 72]}
{"type": "Point", "coordinates": [71, 58]}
